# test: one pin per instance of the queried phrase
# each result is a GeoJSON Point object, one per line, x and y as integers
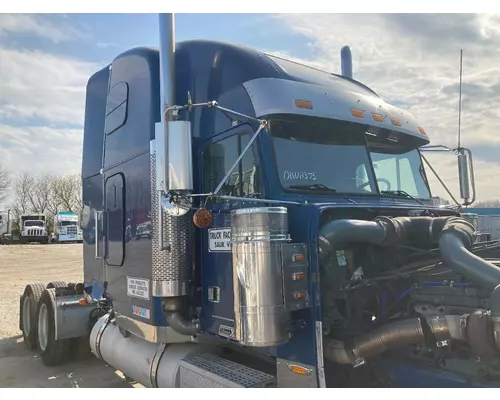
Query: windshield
{"type": "Point", "coordinates": [33, 223]}
{"type": "Point", "coordinates": [398, 167]}
{"type": "Point", "coordinates": [68, 223]}
{"type": "Point", "coordinates": [314, 151]}
{"type": "Point", "coordinates": [402, 172]}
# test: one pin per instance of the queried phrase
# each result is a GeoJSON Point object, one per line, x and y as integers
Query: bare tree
{"type": "Point", "coordinates": [40, 196]}
{"type": "Point", "coordinates": [23, 186]}
{"type": "Point", "coordinates": [68, 193]}
{"type": "Point", "coordinates": [5, 183]}
{"type": "Point", "coordinates": [46, 194]}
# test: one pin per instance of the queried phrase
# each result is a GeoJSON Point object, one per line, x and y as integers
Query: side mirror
{"type": "Point", "coordinates": [466, 176]}
{"type": "Point", "coordinates": [465, 171]}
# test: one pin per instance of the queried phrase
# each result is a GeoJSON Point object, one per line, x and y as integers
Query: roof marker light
{"type": "Point", "coordinates": [357, 113]}
{"type": "Point", "coordinates": [421, 130]}
{"type": "Point", "coordinates": [304, 104]}
{"type": "Point", "coordinates": [378, 117]}
{"type": "Point", "coordinates": [395, 122]}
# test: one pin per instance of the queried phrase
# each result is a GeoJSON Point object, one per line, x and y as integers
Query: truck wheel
{"type": "Point", "coordinates": [52, 351]}
{"type": "Point", "coordinates": [56, 284]}
{"type": "Point", "coordinates": [27, 313]}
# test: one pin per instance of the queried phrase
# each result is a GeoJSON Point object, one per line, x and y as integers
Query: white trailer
{"type": "Point", "coordinates": [66, 228]}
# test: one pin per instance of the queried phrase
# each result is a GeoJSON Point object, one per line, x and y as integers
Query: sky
{"type": "Point", "coordinates": [410, 60]}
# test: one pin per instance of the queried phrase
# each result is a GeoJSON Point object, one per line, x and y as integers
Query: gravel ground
{"type": "Point", "coordinates": [19, 367]}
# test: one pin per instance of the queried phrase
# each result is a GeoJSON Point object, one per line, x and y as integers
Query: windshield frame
{"type": "Point", "coordinates": [408, 145]}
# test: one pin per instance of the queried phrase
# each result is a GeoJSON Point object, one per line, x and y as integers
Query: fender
{"type": "Point", "coordinates": [72, 319]}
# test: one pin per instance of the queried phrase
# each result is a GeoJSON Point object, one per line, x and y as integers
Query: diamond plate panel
{"type": "Point", "coordinates": [171, 267]}
{"type": "Point", "coordinates": [208, 370]}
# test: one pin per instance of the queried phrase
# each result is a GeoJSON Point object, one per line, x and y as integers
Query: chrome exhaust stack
{"type": "Point", "coordinates": [346, 61]}
{"type": "Point", "coordinates": [171, 184]}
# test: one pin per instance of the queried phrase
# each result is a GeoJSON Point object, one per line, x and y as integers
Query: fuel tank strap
{"type": "Point", "coordinates": [155, 363]}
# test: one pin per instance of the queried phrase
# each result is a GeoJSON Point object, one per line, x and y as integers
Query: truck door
{"type": "Point", "coordinates": [218, 156]}
{"type": "Point", "coordinates": [115, 212]}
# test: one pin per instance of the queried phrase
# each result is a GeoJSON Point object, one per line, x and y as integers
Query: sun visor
{"type": "Point", "coordinates": [344, 101]}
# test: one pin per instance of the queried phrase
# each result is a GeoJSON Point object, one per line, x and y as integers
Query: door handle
{"type": "Point", "coordinates": [97, 230]}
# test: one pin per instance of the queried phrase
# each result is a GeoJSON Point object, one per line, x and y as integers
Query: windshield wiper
{"type": "Point", "coordinates": [313, 186]}
{"type": "Point", "coordinates": [320, 188]}
{"type": "Point", "coordinates": [401, 193]}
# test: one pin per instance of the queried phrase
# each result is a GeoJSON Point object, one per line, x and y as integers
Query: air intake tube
{"type": "Point", "coordinates": [454, 235]}
{"type": "Point", "coordinates": [393, 335]}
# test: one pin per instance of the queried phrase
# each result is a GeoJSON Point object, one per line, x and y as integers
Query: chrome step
{"type": "Point", "coordinates": [211, 371]}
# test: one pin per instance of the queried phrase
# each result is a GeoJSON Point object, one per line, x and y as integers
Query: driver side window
{"type": "Point", "coordinates": [219, 157]}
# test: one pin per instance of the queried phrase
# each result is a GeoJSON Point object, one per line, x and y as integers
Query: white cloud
{"type": "Point", "coordinates": [413, 59]}
{"type": "Point", "coordinates": [37, 25]}
{"type": "Point", "coordinates": [41, 95]}
{"type": "Point", "coordinates": [42, 86]}
{"type": "Point", "coordinates": [41, 149]}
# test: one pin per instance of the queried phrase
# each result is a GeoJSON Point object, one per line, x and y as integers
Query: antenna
{"type": "Point", "coordinates": [460, 98]}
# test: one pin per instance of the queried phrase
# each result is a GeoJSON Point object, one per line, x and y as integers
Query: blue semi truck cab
{"type": "Point", "coordinates": [291, 238]}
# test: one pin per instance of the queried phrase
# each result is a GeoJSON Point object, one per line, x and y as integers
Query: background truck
{"type": "Point", "coordinates": [5, 227]}
{"type": "Point", "coordinates": [33, 228]}
{"type": "Point", "coordinates": [488, 221]}
{"type": "Point", "coordinates": [293, 243]}
{"type": "Point", "coordinates": [67, 227]}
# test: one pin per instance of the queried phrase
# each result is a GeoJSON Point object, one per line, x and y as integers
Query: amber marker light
{"type": "Point", "coordinates": [303, 104]}
{"type": "Point", "coordinates": [357, 113]}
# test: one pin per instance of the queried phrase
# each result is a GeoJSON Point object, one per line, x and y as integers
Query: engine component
{"type": "Point", "coordinates": [148, 363]}
{"type": "Point", "coordinates": [455, 238]}
{"type": "Point", "coordinates": [495, 314]}
{"type": "Point", "coordinates": [453, 234]}
{"type": "Point", "coordinates": [393, 335]}
{"type": "Point", "coordinates": [261, 318]}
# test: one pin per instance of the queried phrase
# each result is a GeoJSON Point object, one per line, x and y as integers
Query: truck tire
{"type": "Point", "coordinates": [28, 313]}
{"type": "Point", "coordinates": [56, 284]}
{"type": "Point", "coordinates": [52, 351]}
{"type": "Point", "coordinates": [80, 348]}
